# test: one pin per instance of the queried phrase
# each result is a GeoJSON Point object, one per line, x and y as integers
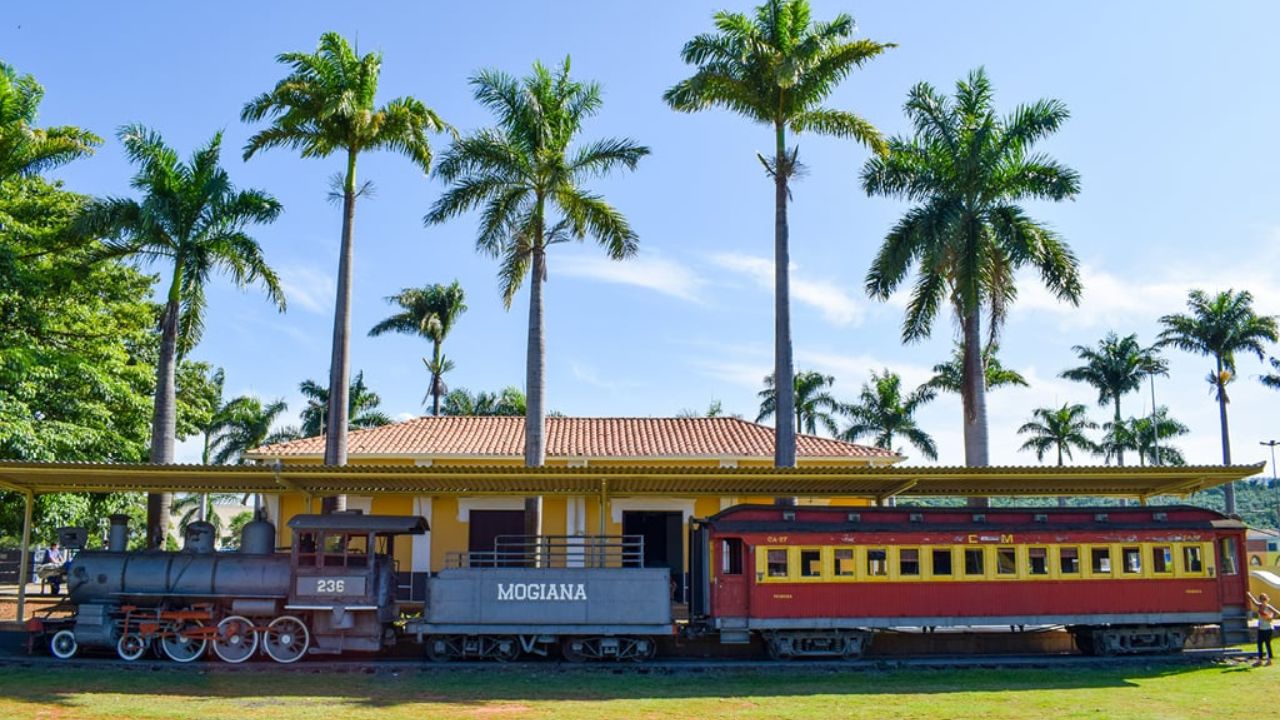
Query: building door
{"type": "Point", "coordinates": [485, 526]}
{"type": "Point", "coordinates": [663, 544]}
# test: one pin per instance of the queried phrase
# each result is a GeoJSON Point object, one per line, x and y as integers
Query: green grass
{"type": "Point", "coordinates": [1169, 692]}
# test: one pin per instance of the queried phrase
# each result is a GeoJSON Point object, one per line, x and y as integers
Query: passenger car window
{"type": "Point", "coordinates": [844, 564]}
{"type": "Point", "coordinates": [1007, 561]}
{"type": "Point", "coordinates": [1069, 561]}
{"type": "Point", "coordinates": [909, 562]}
{"type": "Point", "coordinates": [1131, 560]}
{"type": "Point", "coordinates": [1100, 560]}
{"type": "Point", "coordinates": [1230, 564]}
{"type": "Point", "coordinates": [942, 562]}
{"type": "Point", "coordinates": [776, 563]}
{"type": "Point", "coordinates": [1038, 561]}
{"type": "Point", "coordinates": [1192, 559]}
{"type": "Point", "coordinates": [1162, 559]}
{"type": "Point", "coordinates": [731, 556]}
{"type": "Point", "coordinates": [973, 562]}
{"type": "Point", "coordinates": [810, 563]}
{"type": "Point", "coordinates": [877, 562]}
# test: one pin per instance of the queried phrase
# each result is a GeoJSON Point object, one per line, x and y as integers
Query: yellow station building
{"type": "Point", "coordinates": [461, 522]}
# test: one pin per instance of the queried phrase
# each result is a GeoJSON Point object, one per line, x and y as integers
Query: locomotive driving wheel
{"type": "Point", "coordinates": [236, 639]}
{"type": "Point", "coordinates": [286, 639]}
{"type": "Point", "coordinates": [131, 646]}
{"type": "Point", "coordinates": [183, 641]}
{"type": "Point", "coordinates": [63, 645]}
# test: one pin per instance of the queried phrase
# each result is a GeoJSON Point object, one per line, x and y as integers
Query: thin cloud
{"type": "Point", "coordinates": [308, 288]}
{"type": "Point", "coordinates": [836, 305]}
{"type": "Point", "coordinates": [652, 273]}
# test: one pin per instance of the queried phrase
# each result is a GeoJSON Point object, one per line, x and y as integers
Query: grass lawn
{"type": "Point", "coordinates": [1222, 692]}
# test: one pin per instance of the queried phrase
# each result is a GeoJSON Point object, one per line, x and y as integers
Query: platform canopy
{"type": "Point", "coordinates": [876, 483]}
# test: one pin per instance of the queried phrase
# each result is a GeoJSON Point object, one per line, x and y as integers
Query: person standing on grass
{"type": "Point", "coordinates": [1267, 614]}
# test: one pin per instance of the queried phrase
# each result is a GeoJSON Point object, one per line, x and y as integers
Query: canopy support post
{"type": "Point", "coordinates": [24, 570]}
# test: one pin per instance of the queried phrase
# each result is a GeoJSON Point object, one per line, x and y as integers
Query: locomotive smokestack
{"type": "Point", "coordinates": [118, 536]}
{"type": "Point", "coordinates": [199, 537]}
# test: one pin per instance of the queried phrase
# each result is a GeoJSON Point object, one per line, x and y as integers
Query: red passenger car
{"type": "Point", "coordinates": [822, 580]}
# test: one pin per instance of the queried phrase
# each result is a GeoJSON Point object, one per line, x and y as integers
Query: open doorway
{"type": "Point", "coordinates": [663, 542]}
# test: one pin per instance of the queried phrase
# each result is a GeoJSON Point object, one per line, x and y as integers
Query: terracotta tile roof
{"type": "Point", "coordinates": [619, 437]}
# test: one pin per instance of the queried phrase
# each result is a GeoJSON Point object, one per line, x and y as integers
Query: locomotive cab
{"type": "Point", "coordinates": [344, 577]}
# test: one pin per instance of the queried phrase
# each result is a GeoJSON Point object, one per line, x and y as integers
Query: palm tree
{"type": "Point", "coordinates": [27, 150]}
{"type": "Point", "coordinates": [882, 411]}
{"type": "Point", "coordinates": [189, 508]}
{"type": "Point", "coordinates": [1272, 380]}
{"type": "Point", "coordinates": [326, 105]}
{"type": "Point", "coordinates": [777, 68]}
{"type": "Point", "coordinates": [362, 407]}
{"type": "Point", "coordinates": [814, 403]}
{"type": "Point", "coordinates": [1220, 326]}
{"type": "Point", "coordinates": [949, 376]}
{"type": "Point", "coordinates": [967, 168]}
{"type": "Point", "coordinates": [1061, 429]}
{"type": "Point", "coordinates": [193, 218]}
{"type": "Point", "coordinates": [1117, 367]}
{"type": "Point", "coordinates": [245, 423]}
{"type": "Point", "coordinates": [714, 410]}
{"type": "Point", "coordinates": [217, 382]}
{"type": "Point", "coordinates": [429, 312]}
{"type": "Point", "coordinates": [508, 402]}
{"type": "Point", "coordinates": [1153, 447]}
{"type": "Point", "coordinates": [528, 178]}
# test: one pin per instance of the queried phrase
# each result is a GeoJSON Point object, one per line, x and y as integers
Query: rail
{"type": "Point", "coordinates": [555, 551]}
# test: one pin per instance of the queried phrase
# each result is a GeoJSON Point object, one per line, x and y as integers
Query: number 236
{"type": "Point", "coordinates": [331, 586]}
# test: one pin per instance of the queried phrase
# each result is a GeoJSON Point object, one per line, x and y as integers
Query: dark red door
{"type": "Point", "coordinates": [729, 595]}
{"type": "Point", "coordinates": [1231, 572]}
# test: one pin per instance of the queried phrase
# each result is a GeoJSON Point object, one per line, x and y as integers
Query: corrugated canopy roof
{"type": "Point", "coordinates": [870, 482]}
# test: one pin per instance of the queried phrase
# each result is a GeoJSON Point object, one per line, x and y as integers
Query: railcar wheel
{"type": "Point", "coordinates": [180, 646]}
{"type": "Point", "coordinates": [286, 639]}
{"type": "Point", "coordinates": [573, 650]}
{"type": "Point", "coordinates": [63, 645]}
{"type": "Point", "coordinates": [131, 646]}
{"type": "Point", "coordinates": [438, 649]}
{"type": "Point", "coordinates": [236, 640]}
{"type": "Point", "coordinates": [506, 648]}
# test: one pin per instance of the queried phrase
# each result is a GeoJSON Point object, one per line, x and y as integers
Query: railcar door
{"type": "Point", "coordinates": [1231, 575]}
{"type": "Point", "coordinates": [730, 567]}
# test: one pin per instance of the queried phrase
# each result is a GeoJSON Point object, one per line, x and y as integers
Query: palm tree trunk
{"type": "Point", "coordinates": [535, 451]}
{"type": "Point", "coordinates": [164, 419]}
{"type": "Point", "coordinates": [974, 398]}
{"type": "Point", "coordinates": [784, 434]}
{"type": "Point", "coordinates": [1228, 490]}
{"type": "Point", "coordinates": [1119, 450]}
{"type": "Point", "coordinates": [1062, 501]}
{"type": "Point", "coordinates": [435, 380]}
{"type": "Point", "coordinates": [335, 438]}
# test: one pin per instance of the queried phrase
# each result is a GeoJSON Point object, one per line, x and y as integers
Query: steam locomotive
{"type": "Point", "coordinates": [803, 581]}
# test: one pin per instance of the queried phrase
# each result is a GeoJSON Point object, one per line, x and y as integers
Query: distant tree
{"type": "Point", "coordinates": [326, 105]}
{"type": "Point", "coordinates": [428, 312]}
{"type": "Point", "coordinates": [777, 67]}
{"type": "Point", "coordinates": [28, 150]}
{"type": "Point", "coordinates": [507, 402]}
{"type": "Point", "coordinates": [1220, 326]}
{"type": "Point", "coordinates": [883, 412]}
{"type": "Point", "coordinates": [1154, 448]}
{"type": "Point", "coordinates": [362, 411]}
{"type": "Point", "coordinates": [244, 424]}
{"type": "Point", "coordinates": [231, 540]}
{"type": "Point", "coordinates": [1059, 429]}
{"type": "Point", "coordinates": [814, 404]}
{"type": "Point", "coordinates": [949, 376]}
{"type": "Point", "coordinates": [714, 410]}
{"type": "Point", "coordinates": [1115, 368]}
{"type": "Point", "coordinates": [194, 220]}
{"type": "Point", "coordinates": [968, 170]}
{"type": "Point", "coordinates": [187, 507]}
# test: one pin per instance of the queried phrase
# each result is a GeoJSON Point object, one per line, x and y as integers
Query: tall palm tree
{"type": "Point", "coordinates": [1150, 437]}
{"type": "Point", "coordinates": [1220, 326]}
{"type": "Point", "coordinates": [949, 376]}
{"type": "Point", "coordinates": [217, 382]}
{"type": "Point", "coordinates": [24, 148]}
{"type": "Point", "coordinates": [1115, 368]}
{"type": "Point", "coordinates": [967, 169]}
{"type": "Point", "coordinates": [508, 402]}
{"type": "Point", "coordinates": [192, 218]}
{"type": "Point", "coordinates": [326, 105]}
{"type": "Point", "coordinates": [1060, 429]}
{"type": "Point", "coordinates": [527, 177]}
{"type": "Point", "coordinates": [777, 68]}
{"type": "Point", "coordinates": [362, 407]}
{"type": "Point", "coordinates": [430, 313]}
{"type": "Point", "coordinates": [882, 411]}
{"type": "Point", "coordinates": [245, 424]}
{"type": "Point", "coordinates": [814, 404]}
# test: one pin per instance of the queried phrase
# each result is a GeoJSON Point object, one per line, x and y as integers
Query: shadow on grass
{"type": "Point", "coordinates": [388, 687]}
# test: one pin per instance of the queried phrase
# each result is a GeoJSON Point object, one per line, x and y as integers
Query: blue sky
{"type": "Point", "coordinates": [1172, 130]}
